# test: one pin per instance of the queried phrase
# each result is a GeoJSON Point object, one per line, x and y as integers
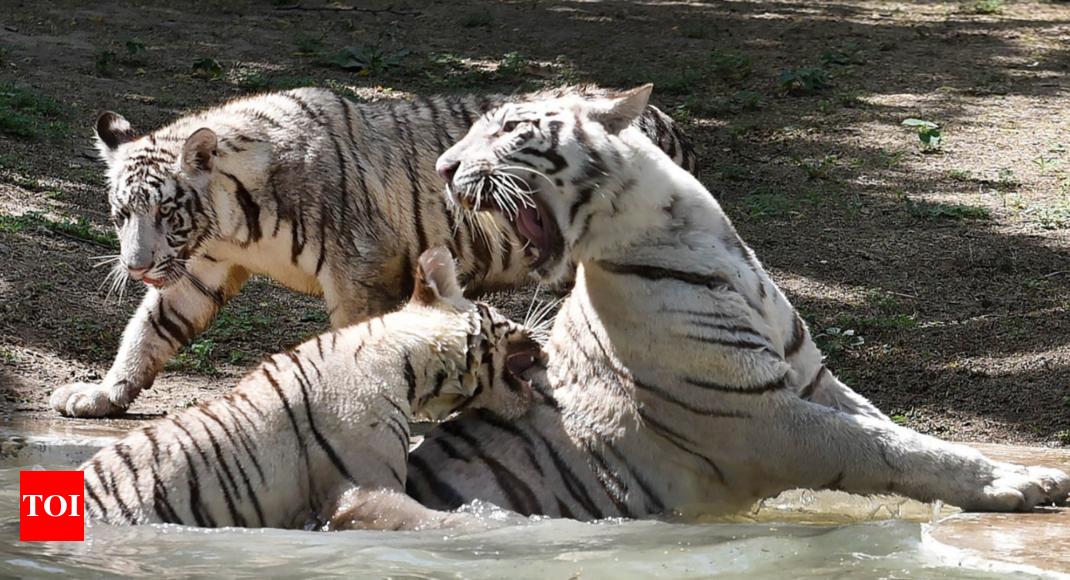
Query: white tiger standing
{"type": "Point", "coordinates": [318, 436]}
{"type": "Point", "coordinates": [324, 195]}
{"type": "Point", "coordinates": [681, 373]}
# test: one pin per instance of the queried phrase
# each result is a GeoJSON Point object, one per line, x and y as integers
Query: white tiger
{"type": "Point", "coordinates": [681, 373]}
{"type": "Point", "coordinates": [317, 437]}
{"type": "Point", "coordinates": [324, 195]}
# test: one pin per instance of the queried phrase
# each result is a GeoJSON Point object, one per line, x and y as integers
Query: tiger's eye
{"type": "Point", "coordinates": [509, 126]}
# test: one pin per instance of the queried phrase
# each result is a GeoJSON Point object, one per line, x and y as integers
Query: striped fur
{"type": "Point", "coordinates": [324, 195]}
{"type": "Point", "coordinates": [317, 437]}
{"type": "Point", "coordinates": [681, 373]}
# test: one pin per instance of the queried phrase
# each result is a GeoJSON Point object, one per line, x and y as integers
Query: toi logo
{"type": "Point", "coordinates": [52, 507]}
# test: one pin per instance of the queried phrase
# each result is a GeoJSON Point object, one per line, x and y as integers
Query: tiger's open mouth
{"type": "Point", "coordinates": [529, 219]}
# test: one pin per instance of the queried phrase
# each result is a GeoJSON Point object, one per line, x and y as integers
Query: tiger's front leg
{"type": "Point", "coordinates": [807, 445]}
{"type": "Point", "coordinates": [166, 320]}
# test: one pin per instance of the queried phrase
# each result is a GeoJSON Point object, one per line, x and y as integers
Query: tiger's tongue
{"type": "Point", "coordinates": [530, 225]}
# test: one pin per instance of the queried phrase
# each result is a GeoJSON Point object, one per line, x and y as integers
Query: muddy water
{"type": "Point", "coordinates": [797, 535]}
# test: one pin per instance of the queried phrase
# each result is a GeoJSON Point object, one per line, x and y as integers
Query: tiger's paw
{"type": "Point", "coordinates": [84, 400]}
{"type": "Point", "coordinates": [1018, 488]}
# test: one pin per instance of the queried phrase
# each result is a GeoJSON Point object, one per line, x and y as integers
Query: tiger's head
{"type": "Point", "coordinates": [543, 167]}
{"type": "Point", "coordinates": [504, 363]}
{"type": "Point", "coordinates": [157, 194]}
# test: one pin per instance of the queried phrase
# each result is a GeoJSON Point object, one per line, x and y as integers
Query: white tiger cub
{"type": "Point", "coordinates": [324, 195]}
{"type": "Point", "coordinates": [681, 373]}
{"type": "Point", "coordinates": [317, 437]}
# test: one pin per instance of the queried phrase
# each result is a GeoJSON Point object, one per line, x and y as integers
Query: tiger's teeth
{"type": "Point", "coordinates": [535, 253]}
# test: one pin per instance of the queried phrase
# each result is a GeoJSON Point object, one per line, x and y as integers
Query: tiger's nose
{"type": "Point", "coordinates": [447, 169]}
{"type": "Point", "coordinates": [139, 272]}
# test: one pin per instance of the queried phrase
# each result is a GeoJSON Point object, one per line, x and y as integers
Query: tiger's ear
{"type": "Point", "coordinates": [112, 131]}
{"type": "Point", "coordinates": [436, 279]}
{"type": "Point", "coordinates": [617, 112]}
{"type": "Point", "coordinates": [199, 152]}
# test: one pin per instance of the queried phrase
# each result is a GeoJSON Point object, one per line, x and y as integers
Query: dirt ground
{"type": "Point", "coordinates": [936, 276]}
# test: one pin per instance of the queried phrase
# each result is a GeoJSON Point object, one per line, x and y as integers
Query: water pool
{"type": "Point", "coordinates": [770, 543]}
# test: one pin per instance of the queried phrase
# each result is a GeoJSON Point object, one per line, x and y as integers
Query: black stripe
{"type": "Point", "coordinates": [518, 493]}
{"type": "Point", "coordinates": [204, 457]}
{"type": "Point", "coordinates": [410, 380]}
{"type": "Point", "coordinates": [798, 333]}
{"type": "Point", "coordinates": [680, 442]}
{"type": "Point", "coordinates": [711, 281]}
{"type": "Point", "coordinates": [237, 462]}
{"type": "Point", "coordinates": [446, 495]}
{"type": "Point", "coordinates": [774, 385]}
{"type": "Point", "coordinates": [112, 490]}
{"type": "Point", "coordinates": [670, 397]}
{"type": "Point", "coordinates": [169, 325]}
{"type": "Point", "coordinates": [572, 482]}
{"type": "Point", "coordinates": [96, 500]}
{"type": "Point", "coordinates": [491, 418]}
{"type": "Point", "coordinates": [808, 390]}
{"type": "Point", "coordinates": [158, 329]}
{"type": "Point", "coordinates": [648, 489]}
{"type": "Point", "coordinates": [303, 382]}
{"type": "Point", "coordinates": [161, 503]}
{"type": "Point", "coordinates": [231, 499]}
{"type": "Point", "coordinates": [249, 207]}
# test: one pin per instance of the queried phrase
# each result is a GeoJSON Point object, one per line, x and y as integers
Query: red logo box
{"type": "Point", "coordinates": [52, 506]}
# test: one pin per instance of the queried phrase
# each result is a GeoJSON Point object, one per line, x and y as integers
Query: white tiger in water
{"type": "Point", "coordinates": [324, 195]}
{"type": "Point", "coordinates": [317, 437]}
{"type": "Point", "coordinates": [681, 373]}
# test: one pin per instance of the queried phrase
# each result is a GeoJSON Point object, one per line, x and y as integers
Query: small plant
{"type": "Point", "coordinates": [766, 204]}
{"type": "Point", "coordinates": [989, 7]}
{"type": "Point", "coordinates": [846, 55]}
{"type": "Point", "coordinates": [816, 168]}
{"type": "Point", "coordinates": [1006, 178]}
{"type": "Point", "coordinates": [309, 44]}
{"type": "Point", "coordinates": [959, 174]}
{"type": "Point", "coordinates": [24, 114]}
{"type": "Point", "coordinates": [104, 63]}
{"type": "Point", "coordinates": [900, 419]}
{"type": "Point", "coordinates": [1045, 163]}
{"type": "Point", "coordinates": [259, 82]}
{"type": "Point", "coordinates": [695, 30]}
{"type": "Point", "coordinates": [849, 100]}
{"type": "Point", "coordinates": [943, 211]}
{"type": "Point", "coordinates": [804, 80]}
{"type": "Point", "coordinates": [1050, 218]}
{"type": "Point", "coordinates": [79, 227]}
{"type": "Point", "coordinates": [135, 46]}
{"type": "Point", "coordinates": [891, 158]}
{"type": "Point", "coordinates": [928, 133]}
{"type": "Point", "coordinates": [207, 68]}
{"type": "Point", "coordinates": [1063, 437]}
{"type": "Point", "coordinates": [197, 356]}
{"type": "Point", "coordinates": [369, 60]}
{"type": "Point", "coordinates": [729, 65]}
{"type": "Point", "coordinates": [731, 172]}
{"type": "Point", "coordinates": [749, 100]}
{"type": "Point", "coordinates": [835, 342]}
{"type": "Point", "coordinates": [477, 20]}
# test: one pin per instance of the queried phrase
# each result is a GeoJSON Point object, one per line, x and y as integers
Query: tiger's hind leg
{"type": "Point", "coordinates": [165, 321]}
{"type": "Point", "coordinates": [806, 445]}
{"type": "Point", "coordinates": [379, 509]}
